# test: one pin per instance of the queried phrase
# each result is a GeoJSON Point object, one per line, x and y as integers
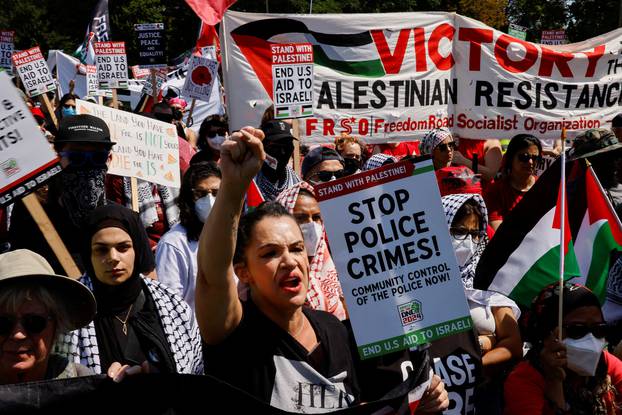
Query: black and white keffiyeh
{"type": "Point", "coordinates": [270, 190]}
{"type": "Point", "coordinates": [178, 322]}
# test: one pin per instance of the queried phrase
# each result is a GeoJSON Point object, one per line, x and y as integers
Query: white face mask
{"type": "Point", "coordinates": [464, 249]}
{"type": "Point", "coordinates": [583, 354]}
{"type": "Point", "coordinates": [203, 206]}
{"type": "Point", "coordinates": [216, 141]}
{"type": "Point", "coordinates": [312, 233]}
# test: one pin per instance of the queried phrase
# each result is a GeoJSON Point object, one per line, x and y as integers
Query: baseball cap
{"type": "Point", "coordinates": [277, 130]}
{"type": "Point", "coordinates": [83, 128]}
{"type": "Point", "coordinates": [318, 155]}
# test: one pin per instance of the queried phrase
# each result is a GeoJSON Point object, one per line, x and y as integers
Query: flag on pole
{"type": "Point", "coordinates": [210, 11]}
{"type": "Point", "coordinates": [253, 196]}
{"type": "Point", "coordinates": [523, 256]}
{"type": "Point", "coordinates": [208, 37]}
{"type": "Point", "coordinates": [98, 30]}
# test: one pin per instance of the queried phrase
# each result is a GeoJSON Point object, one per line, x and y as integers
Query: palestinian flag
{"type": "Point", "coordinates": [253, 196]}
{"type": "Point", "coordinates": [598, 236]}
{"type": "Point", "coordinates": [349, 53]}
{"type": "Point", "coordinates": [523, 256]}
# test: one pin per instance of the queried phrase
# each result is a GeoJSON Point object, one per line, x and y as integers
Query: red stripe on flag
{"type": "Point", "coordinates": [557, 219]}
{"type": "Point", "coordinates": [598, 205]}
{"type": "Point", "coordinates": [210, 11]}
{"type": "Point", "coordinates": [253, 196]}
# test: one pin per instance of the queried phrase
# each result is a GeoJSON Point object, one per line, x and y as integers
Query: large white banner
{"type": "Point", "coordinates": [396, 76]}
{"type": "Point", "coordinates": [391, 246]}
{"type": "Point", "coordinates": [145, 148]}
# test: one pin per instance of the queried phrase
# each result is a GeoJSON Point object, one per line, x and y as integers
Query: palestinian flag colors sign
{"type": "Point", "coordinates": [396, 76]}
{"type": "Point", "coordinates": [523, 256]}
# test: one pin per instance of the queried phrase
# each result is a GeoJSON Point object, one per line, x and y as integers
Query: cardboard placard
{"type": "Point", "coordinates": [151, 45]}
{"type": "Point", "coordinates": [292, 80]}
{"type": "Point", "coordinates": [519, 32]}
{"type": "Point", "coordinates": [396, 263]}
{"type": "Point", "coordinates": [139, 73]}
{"type": "Point", "coordinates": [200, 78]}
{"type": "Point", "coordinates": [26, 158]}
{"type": "Point", "coordinates": [92, 85]}
{"type": "Point", "coordinates": [34, 72]}
{"type": "Point", "coordinates": [160, 79]}
{"type": "Point", "coordinates": [6, 49]}
{"type": "Point", "coordinates": [553, 37]}
{"type": "Point", "coordinates": [147, 149]}
{"type": "Point", "coordinates": [111, 63]}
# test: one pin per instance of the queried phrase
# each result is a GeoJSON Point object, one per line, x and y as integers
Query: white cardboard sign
{"type": "Point", "coordinates": [111, 63]}
{"type": "Point", "coordinates": [34, 72]}
{"type": "Point", "coordinates": [396, 263]}
{"type": "Point", "coordinates": [292, 80]}
{"type": "Point", "coordinates": [200, 78]}
{"type": "Point", "coordinates": [26, 158]}
{"type": "Point", "coordinates": [145, 148]}
{"type": "Point", "coordinates": [6, 49]}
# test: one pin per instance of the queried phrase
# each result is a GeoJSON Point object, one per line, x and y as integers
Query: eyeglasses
{"type": "Point", "coordinates": [461, 234]}
{"type": "Point", "coordinates": [32, 323]}
{"type": "Point", "coordinates": [327, 176]}
{"type": "Point", "coordinates": [446, 146]}
{"type": "Point", "coordinates": [525, 157]}
{"type": "Point", "coordinates": [576, 331]}
{"type": "Point", "coordinates": [198, 194]}
{"type": "Point", "coordinates": [218, 131]}
{"type": "Point", "coordinates": [81, 158]}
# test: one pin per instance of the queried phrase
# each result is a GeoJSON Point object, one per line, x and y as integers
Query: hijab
{"type": "Point", "coordinates": [141, 337]}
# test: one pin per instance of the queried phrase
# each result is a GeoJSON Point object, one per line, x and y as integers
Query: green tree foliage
{"type": "Point", "coordinates": [592, 18]}
{"type": "Point", "coordinates": [538, 15]}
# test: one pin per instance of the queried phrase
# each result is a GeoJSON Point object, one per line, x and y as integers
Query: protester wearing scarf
{"type": "Point", "coordinates": [378, 160]}
{"type": "Point", "coordinates": [324, 291]}
{"type": "Point", "coordinates": [451, 206]}
{"type": "Point", "coordinates": [270, 190]}
{"type": "Point", "coordinates": [147, 202]}
{"type": "Point", "coordinates": [160, 325]}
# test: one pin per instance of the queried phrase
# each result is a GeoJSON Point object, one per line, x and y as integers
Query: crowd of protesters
{"type": "Point", "coordinates": [192, 281]}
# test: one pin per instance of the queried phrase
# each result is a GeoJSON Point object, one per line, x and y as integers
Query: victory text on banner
{"type": "Point", "coordinates": [200, 78]}
{"type": "Point", "coordinates": [111, 63]}
{"type": "Point", "coordinates": [292, 79]}
{"type": "Point", "coordinates": [151, 45]}
{"type": "Point", "coordinates": [6, 49]}
{"type": "Point", "coordinates": [388, 77]}
{"type": "Point", "coordinates": [394, 256]}
{"type": "Point", "coordinates": [34, 72]}
{"type": "Point", "coordinates": [26, 158]}
{"type": "Point", "coordinates": [145, 148]}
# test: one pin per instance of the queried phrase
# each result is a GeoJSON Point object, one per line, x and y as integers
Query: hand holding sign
{"type": "Point", "coordinates": [241, 158]}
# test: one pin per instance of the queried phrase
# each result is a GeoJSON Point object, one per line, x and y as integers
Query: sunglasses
{"type": "Point", "coordinates": [446, 146]}
{"type": "Point", "coordinates": [32, 323]}
{"type": "Point", "coordinates": [525, 157]}
{"type": "Point", "coordinates": [327, 176]}
{"type": "Point", "coordinates": [81, 158]}
{"type": "Point", "coordinates": [461, 234]}
{"type": "Point", "coordinates": [215, 132]}
{"type": "Point", "coordinates": [576, 331]}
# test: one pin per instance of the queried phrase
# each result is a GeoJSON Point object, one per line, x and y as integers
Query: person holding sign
{"type": "Point", "coordinates": [324, 292]}
{"type": "Point", "coordinates": [138, 320]}
{"type": "Point", "coordinates": [577, 375]}
{"type": "Point", "coordinates": [296, 351]}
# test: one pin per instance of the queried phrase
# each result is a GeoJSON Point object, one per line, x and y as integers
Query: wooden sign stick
{"type": "Point", "coordinates": [115, 99]}
{"type": "Point", "coordinates": [51, 236]}
{"type": "Point", "coordinates": [134, 187]}
{"type": "Point", "coordinates": [295, 128]}
{"type": "Point", "coordinates": [191, 110]}
{"type": "Point", "coordinates": [43, 98]}
{"type": "Point", "coordinates": [154, 86]}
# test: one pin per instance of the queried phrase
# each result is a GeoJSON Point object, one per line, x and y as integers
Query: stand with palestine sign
{"type": "Point", "coordinates": [392, 249]}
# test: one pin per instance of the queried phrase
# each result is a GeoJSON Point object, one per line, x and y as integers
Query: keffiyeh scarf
{"type": "Point", "coordinates": [270, 190]}
{"type": "Point", "coordinates": [324, 291]}
{"type": "Point", "coordinates": [180, 328]}
{"type": "Point", "coordinates": [147, 201]}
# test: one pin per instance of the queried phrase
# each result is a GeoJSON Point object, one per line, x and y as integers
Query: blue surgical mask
{"type": "Point", "coordinates": [68, 112]}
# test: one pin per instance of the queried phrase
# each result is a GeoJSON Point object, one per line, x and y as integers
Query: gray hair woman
{"type": "Point", "coordinates": [36, 305]}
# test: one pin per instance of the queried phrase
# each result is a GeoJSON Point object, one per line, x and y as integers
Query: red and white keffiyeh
{"type": "Point", "coordinates": [324, 291]}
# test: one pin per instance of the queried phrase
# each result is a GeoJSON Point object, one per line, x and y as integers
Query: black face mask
{"type": "Point", "coordinates": [352, 165]}
{"type": "Point", "coordinates": [281, 152]}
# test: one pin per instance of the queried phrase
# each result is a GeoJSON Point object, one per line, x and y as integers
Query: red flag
{"type": "Point", "coordinates": [253, 196]}
{"type": "Point", "coordinates": [210, 11]}
{"type": "Point", "coordinates": [208, 37]}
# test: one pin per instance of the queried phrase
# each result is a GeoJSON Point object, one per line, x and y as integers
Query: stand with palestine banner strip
{"type": "Point", "coordinates": [396, 263]}
{"type": "Point", "coordinates": [26, 162]}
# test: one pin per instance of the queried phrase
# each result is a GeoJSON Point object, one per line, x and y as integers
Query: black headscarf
{"type": "Point", "coordinates": [130, 300]}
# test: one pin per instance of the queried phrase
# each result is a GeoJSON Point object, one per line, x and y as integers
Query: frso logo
{"type": "Point", "coordinates": [9, 167]}
{"type": "Point", "coordinates": [410, 312]}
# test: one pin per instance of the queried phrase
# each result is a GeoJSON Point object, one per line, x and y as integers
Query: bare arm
{"type": "Point", "coordinates": [218, 308]}
{"type": "Point", "coordinates": [492, 159]}
{"type": "Point", "coordinates": [508, 343]}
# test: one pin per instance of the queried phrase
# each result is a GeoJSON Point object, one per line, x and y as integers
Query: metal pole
{"type": "Point", "coordinates": [311, 6]}
{"type": "Point", "coordinates": [562, 239]}
{"type": "Point", "coordinates": [268, 9]}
